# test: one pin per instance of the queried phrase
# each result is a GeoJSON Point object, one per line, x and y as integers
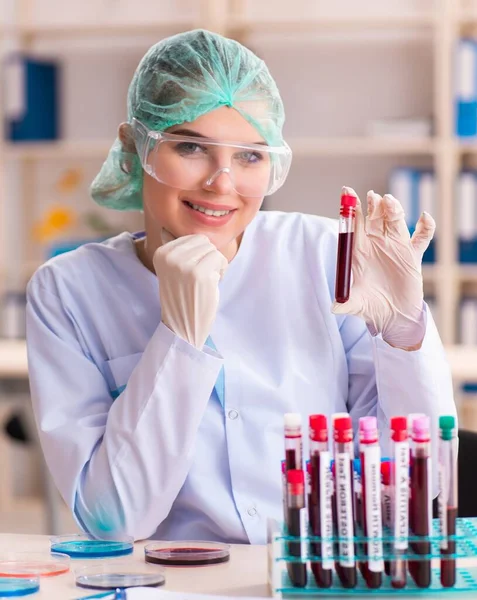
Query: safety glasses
{"type": "Point", "coordinates": [192, 163]}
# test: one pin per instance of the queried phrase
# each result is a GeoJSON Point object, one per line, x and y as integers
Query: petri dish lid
{"type": "Point", "coordinates": [187, 554]}
{"type": "Point", "coordinates": [11, 587]}
{"type": "Point", "coordinates": [85, 546]}
{"type": "Point", "coordinates": [113, 575]}
{"type": "Point", "coordinates": [33, 564]}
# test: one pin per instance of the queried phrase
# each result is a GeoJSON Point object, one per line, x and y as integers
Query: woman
{"type": "Point", "coordinates": [161, 411]}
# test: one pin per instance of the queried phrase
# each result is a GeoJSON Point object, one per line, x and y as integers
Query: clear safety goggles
{"type": "Point", "coordinates": [192, 163]}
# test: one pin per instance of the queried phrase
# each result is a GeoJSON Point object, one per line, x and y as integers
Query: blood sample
{"type": "Point", "coordinates": [319, 505]}
{"type": "Point", "coordinates": [400, 505]}
{"type": "Point", "coordinates": [371, 498]}
{"type": "Point", "coordinates": [295, 506]}
{"type": "Point", "coordinates": [448, 444]}
{"type": "Point", "coordinates": [345, 247]}
{"type": "Point", "coordinates": [343, 438]}
{"type": "Point", "coordinates": [421, 503]}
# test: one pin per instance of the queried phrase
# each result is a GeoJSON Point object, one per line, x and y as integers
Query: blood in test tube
{"type": "Point", "coordinates": [448, 497]}
{"type": "Point", "coordinates": [295, 505]}
{"type": "Point", "coordinates": [344, 496]}
{"type": "Point", "coordinates": [371, 497]}
{"type": "Point", "coordinates": [345, 247]}
{"type": "Point", "coordinates": [319, 503]}
{"type": "Point", "coordinates": [421, 504]}
{"type": "Point", "coordinates": [293, 441]}
{"type": "Point", "coordinates": [386, 507]}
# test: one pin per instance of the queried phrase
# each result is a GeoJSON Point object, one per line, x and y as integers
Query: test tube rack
{"type": "Point", "coordinates": [466, 549]}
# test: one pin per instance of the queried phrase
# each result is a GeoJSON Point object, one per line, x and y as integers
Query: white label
{"type": "Point", "coordinates": [372, 478]}
{"type": "Point", "coordinates": [344, 509]}
{"type": "Point", "coordinates": [326, 514]}
{"type": "Point", "coordinates": [308, 482]}
{"type": "Point", "coordinates": [429, 495]}
{"type": "Point", "coordinates": [14, 74]}
{"type": "Point", "coordinates": [466, 206]}
{"type": "Point", "coordinates": [401, 495]}
{"type": "Point", "coordinates": [442, 504]}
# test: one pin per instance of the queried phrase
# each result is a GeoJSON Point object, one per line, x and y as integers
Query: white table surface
{"type": "Point", "coordinates": [244, 575]}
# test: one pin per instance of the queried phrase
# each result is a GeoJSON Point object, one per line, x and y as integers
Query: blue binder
{"type": "Point", "coordinates": [40, 118]}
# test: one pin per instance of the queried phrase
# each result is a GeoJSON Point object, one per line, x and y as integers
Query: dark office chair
{"type": "Point", "coordinates": [467, 469]}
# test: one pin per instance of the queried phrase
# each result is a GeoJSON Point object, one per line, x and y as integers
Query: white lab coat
{"type": "Point", "coordinates": [172, 457]}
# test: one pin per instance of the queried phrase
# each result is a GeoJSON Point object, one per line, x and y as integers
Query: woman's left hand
{"type": "Point", "coordinates": [387, 286]}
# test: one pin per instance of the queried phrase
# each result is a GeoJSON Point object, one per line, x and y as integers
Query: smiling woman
{"type": "Point", "coordinates": [160, 411]}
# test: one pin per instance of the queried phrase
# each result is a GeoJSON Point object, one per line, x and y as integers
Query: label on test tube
{"type": "Point", "coordinates": [442, 502]}
{"type": "Point", "coordinates": [326, 514]}
{"type": "Point", "coordinates": [429, 495]}
{"type": "Point", "coordinates": [345, 509]}
{"type": "Point", "coordinates": [372, 475]}
{"type": "Point", "coordinates": [401, 495]}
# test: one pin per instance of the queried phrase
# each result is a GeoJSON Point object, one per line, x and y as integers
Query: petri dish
{"type": "Point", "coordinates": [85, 546]}
{"type": "Point", "coordinates": [12, 587]}
{"type": "Point", "coordinates": [33, 564]}
{"type": "Point", "coordinates": [113, 575]}
{"type": "Point", "coordinates": [187, 554]}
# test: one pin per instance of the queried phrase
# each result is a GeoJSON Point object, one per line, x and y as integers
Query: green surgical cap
{"type": "Point", "coordinates": [178, 80]}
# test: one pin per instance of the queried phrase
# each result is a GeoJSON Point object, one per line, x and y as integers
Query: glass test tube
{"type": "Point", "coordinates": [295, 506]}
{"type": "Point", "coordinates": [400, 504]}
{"type": "Point", "coordinates": [344, 453]}
{"type": "Point", "coordinates": [448, 446]}
{"type": "Point", "coordinates": [421, 503]}
{"type": "Point", "coordinates": [371, 498]}
{"type": "Point", "coordinates": [345, 247]}
{"type": "Point", "coordinates": [319, 507]}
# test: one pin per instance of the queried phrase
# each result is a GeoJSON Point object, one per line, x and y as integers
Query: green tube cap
{"type": "Point", "coordinates": [447, 426]}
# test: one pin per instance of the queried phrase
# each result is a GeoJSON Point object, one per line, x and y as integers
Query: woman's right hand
{"type": "Point", "coordinates": [189, 269]}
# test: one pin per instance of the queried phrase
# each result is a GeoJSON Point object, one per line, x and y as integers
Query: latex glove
{"type": "Point", "coordinates": [387, 287]}
{"type": "Point", "coordinates": [189, 269]}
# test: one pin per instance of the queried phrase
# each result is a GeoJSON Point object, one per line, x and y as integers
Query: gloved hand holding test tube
{"type": "Point", "coordinates": [384, 262]}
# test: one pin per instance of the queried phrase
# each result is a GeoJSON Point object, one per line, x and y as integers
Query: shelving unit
{"type": "Point", "coordinates": [444, 23]}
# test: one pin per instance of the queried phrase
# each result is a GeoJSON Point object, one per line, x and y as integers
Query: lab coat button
{"type": "Point", "coordinates": [233, 414]}
{"type": "Point", "coordinates": [252, 511]}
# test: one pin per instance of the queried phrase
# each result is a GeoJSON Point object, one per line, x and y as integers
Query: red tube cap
{"type": "Point", "coordinates": [295, 476]}
{"type": "Point", "coordinates": [343, 430]}
{"type": "Point", "coordinates": [386, 472]}
{"type": "Point", "coordinates": [348, 201]}
{"type": "Point", "coordinates": [399, 429]}
{"type": "Point", "coordinates": [318, 428]}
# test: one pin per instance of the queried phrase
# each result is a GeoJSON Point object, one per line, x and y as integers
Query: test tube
{"type": "Point", "coordinates": [400, 504]}
{"type": "Point", "coordinates": [421, 503]}
{"type": "Point", "coordinates": [344, 453]}
{"type": "Point", "coordinates": [371, 498]}
{"type": "Point", "coordinates": [293, 441]}
{"type": "Point", "coordinates": [345, 246]}
{"type": "Point", "coordinates": [448, 444]}
{"type": "Point", "coordinates": [410, 420]}
{"type": "Point", "coordinates": [319, 506]}
{"type": "Point", "coordinates": [386, 508]}
{"type": "Point", "coordinates": [295, 506]}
